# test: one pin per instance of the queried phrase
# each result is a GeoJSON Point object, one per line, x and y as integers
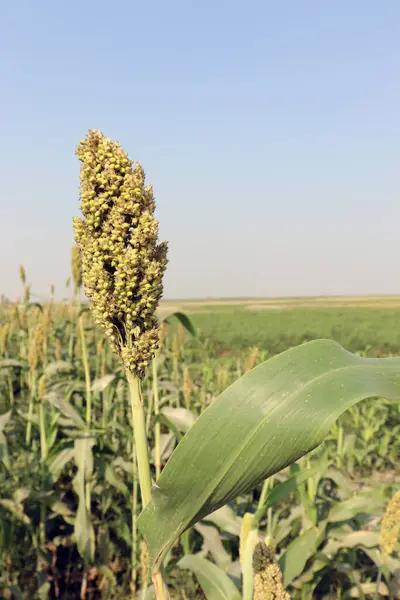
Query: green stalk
{"type": "Point", "coordinates": [261, 507]}
{"type": "Point", "coordinates": [185, 541]}
{"type": "Point", "coordinates": [42, 425]}
{"type": "Point", "coordinates": [143, 464]}
{"type": "Point", "coordinates": [269, 522]}
{"type": "Point", "coordinates": [157, 427]}
{"type": "Point", "coordinates": [43, 454]}
{"type": "Point", "coordinates": [340, 445]}
{"type": "Point", "coordinates": [139, 432]}
{"type": "Point", "coordinates": [28, 433]}
{"type": "Point", "coordinates": [378, 584]}
{"type": "Point", "coordinates": [87, 373]}
{"type": "Point", "coordinates": [134, 523]}
{"type": "Point", "coordinates": [11, 389]}
{"type": "Point", "coordinates": [248, 574]}
{"type": "Point", "coordinates": [71, 339]}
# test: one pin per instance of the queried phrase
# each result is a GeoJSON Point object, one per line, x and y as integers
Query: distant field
{"type": "Point", "coordinates": [361, 324]}
{"type": "Point", "coordinates": [285, 303]}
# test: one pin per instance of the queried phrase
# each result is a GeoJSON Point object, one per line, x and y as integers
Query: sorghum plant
{"type": "Point", "coordinates": [269, 418]}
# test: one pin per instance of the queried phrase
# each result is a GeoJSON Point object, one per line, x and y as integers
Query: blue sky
{"type": "Point", "coordinates": [270, 131]}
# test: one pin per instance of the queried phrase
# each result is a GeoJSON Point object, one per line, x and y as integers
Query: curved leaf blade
{"type": "Point", "coordinates": [183, 319]}
{"type": "Point", "coordinates": [265, 421]}
{"type": "Point", "coordinates": [215, 583]}
{"type": "Point", "coordinates": [66, 408]}
{"type": "Point", "coordinates": [182, 418]}
{"type": "Point", "coordinates": [293, 561]}
{"type": "Point", "coordinates": [8, 363]}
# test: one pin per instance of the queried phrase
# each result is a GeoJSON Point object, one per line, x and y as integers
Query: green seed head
{"type": "Point", "coordinates": [122, 262]}
{"type": "Point", "coordinates": [27, 293]}
{"type": "Point", "coordinates": [22, 274]}
{"type": "Point", "coordinates": [390, 527]}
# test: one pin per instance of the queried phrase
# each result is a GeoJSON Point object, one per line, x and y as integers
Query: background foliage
{"type": "Point", "coordinates": [65, 495]}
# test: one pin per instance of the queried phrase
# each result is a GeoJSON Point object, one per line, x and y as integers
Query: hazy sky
{"type": "Point", "coordinates": [269, 129]}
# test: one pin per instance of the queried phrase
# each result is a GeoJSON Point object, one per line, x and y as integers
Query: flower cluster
{"type": "Point", "coordinates": [122, 262]}
{"type": "Point", "coordinates": [267, 575]}
{"type": "Point", "coordinates": [390, 528]}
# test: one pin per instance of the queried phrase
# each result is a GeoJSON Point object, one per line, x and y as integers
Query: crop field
{"type": "Point", "coordinates": [366, 324]}
{"type": "Point", "coordinates": [69, 502]}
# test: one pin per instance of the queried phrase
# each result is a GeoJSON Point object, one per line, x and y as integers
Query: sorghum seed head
{"type": "Point", "coordinates": [122, 262]}
{"type": "Point", "coordinates": [390, 528]}
{"type": "Point", "coordinates": [267, 575]}
{"type": "Point", "coordinates": [35, 345]}
{"type": "Point", "coordinates": [42, 387]}
{"type": "Point", "coordinates": [4, 331]}
{"type": "Point", "coordinates": [22, 274]}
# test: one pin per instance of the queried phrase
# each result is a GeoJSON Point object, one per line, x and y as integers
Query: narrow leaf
{"type": "Point", "coordinates": [215, 583]}
{"type": "Point", "coordinates": [182, 418]}
{"type": "Point", "coordinates": [344, 510]}
{"type": "Point", "coordinates": [59, 367]}
{"type": "Point", "coordinates": [4, 419]}
{"type": "Point", "coordinates": [182, 318]}
{"type": "Point", "coordinates": [67, 409]}
{"type": "Point", "coordinates": [59, 461]}
{"type": "Point", "coordinates": [282, 490]}
{"type": "Point", "coordinates": [226, 519]}
{"type": "Point", "coordinates": [84, 531]}
{"type": "Point", "coordinates": [213, 544]}
{"type": "Point", "coordinates": [368, 539]}
{"type": "Point", "coordinates": [293, 561]}
{"type": "Point", "coordinates": [100, 384]}
{"type": "Point", "coordinates": [7, 363]}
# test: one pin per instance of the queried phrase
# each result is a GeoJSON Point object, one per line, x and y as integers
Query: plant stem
{"type": "Point", "coordinates": [159, 586]}
{"type": "Point", "coordinates": [378, 584]}
{"type": "Point", "coordinates": [157, 428]}
{"type": "Point", "coordinates": [139, 433]}
{"type": "Point", "coordinates": [261, 507]}
{"type": "Point", "coordinates": [143, 464]}
{"type": "Point", "coordinates": [28, 433]}
{"type": "Point", "coordinates": [87, 373]}
{"type": "Point", "coordinates": [134, 523]}
{"type": "Point", "coordinates": [42, 425]}
{"type": "Point", "coordinates": [11, 389]}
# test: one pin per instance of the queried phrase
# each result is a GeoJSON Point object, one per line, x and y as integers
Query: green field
{"type": "Point", "coordinates": [355, 323]}
{"type": "Point", "coordinates": [44, 379]}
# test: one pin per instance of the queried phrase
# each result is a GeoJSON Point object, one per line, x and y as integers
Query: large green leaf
{"type": "Point", "coordinates": [265, 421]}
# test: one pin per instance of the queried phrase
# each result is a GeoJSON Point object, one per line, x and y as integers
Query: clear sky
{"type": "Point", "coordinates": [270, 131]}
